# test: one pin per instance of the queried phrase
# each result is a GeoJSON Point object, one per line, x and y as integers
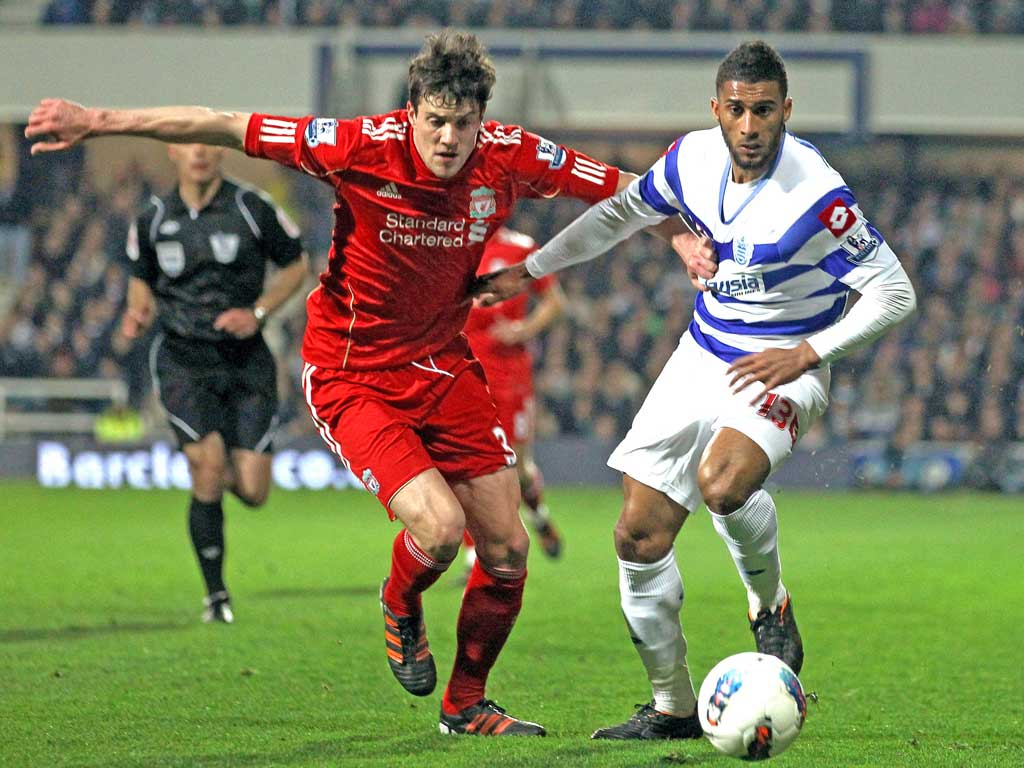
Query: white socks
{"type": "Point", "coordinates": [652, 594]}
{"type": "Point", "coordinates": [752, 535]}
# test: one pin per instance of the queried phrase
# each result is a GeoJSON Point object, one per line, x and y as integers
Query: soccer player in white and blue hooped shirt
{"type": "Point", "coordinates": [784, 245]}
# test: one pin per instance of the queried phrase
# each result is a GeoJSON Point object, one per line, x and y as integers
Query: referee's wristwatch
{"type": "Point", "coordinates": [260, 313]}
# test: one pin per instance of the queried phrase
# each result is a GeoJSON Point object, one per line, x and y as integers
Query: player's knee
{"type": "Point", "coordinates": [722, 491]}
{"type": "Point", "coordinates": [441, 541]}
{"type": "Point", "coordinates": [252, 497]}
{"type": "Point", "coordinates": [639, 540]}
{"type": "Point", "coordinates": [508, 551]}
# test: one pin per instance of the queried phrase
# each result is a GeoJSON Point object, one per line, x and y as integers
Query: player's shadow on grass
{"type": "Point", "coordinates": [78, 631]}
{"type": "Point", "coordinates": [290, 593]}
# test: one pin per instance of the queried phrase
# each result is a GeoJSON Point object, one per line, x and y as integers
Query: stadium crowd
{"type": "Point", "coordinates": [871, 16]}
{"type": "Point", "coordinates": [954, 374]}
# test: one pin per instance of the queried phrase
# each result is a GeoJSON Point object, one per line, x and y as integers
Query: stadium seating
{"type": "Point", "coordinates": [860, 16]}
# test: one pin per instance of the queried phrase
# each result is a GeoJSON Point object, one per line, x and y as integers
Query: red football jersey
{"type": "Point", "coordinates": [407, 244]}
{"type": "Point", "coordinates": [504, 360]}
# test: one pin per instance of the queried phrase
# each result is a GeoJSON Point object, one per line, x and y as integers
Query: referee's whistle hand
{"type": "Point", "coordinates": [239, 322]}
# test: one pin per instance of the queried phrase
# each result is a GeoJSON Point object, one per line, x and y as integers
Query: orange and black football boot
{"type": "Point", "coordinates": [485, 718]}
{"type": "Point", "coordinates": [409, 656]}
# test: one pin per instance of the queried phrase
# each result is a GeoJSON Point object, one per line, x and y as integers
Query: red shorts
{"type": "Point", "coordinates": [515, 410]}
{"type": "Point", "coordinates": [390, 425]}
{"type": "Point", "coordinates": [512, 390]}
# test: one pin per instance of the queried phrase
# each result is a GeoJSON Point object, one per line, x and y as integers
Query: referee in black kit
{"type": "Point", "coordinates": [199, 258]}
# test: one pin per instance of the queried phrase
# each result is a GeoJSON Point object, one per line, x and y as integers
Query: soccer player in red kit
{"type": "Point", "coordinates": [389, 379]}
{"type": "Point", "coordinates": [499, 337]}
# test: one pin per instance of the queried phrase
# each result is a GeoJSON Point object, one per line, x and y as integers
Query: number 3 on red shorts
{"type": "Point", "coordinates": [510, 454]}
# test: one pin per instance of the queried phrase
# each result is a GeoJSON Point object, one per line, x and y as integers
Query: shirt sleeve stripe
{"type": "Point", "coordinates": [671, 160]}
{"type": "Point", "coordinates": [650, 194]}
{"type": "Point", "coordinates": [588, 176]}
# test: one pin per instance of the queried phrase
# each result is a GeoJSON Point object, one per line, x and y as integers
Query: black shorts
{"type": "Point", "coordinates": [225, 387]}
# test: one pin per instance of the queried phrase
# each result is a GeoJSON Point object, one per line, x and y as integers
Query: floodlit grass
{"type": "Point", "coordinates": [908, 606]}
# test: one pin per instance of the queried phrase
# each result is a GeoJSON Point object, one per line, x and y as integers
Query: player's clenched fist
{"type": "Point", "coordinates": [58, 123]}
{"type": "Point", "coordinates": [698, 254]}
{"type": "Point", "coordinates": [501, 284]}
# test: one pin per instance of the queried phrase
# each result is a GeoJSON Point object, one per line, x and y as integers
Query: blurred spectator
{"type": "Point", "coordinates": [929, 17]}
{"type": "Point", "coordinates": [10, 166]}
{"type": "Point", "coordinates": [66, 12]}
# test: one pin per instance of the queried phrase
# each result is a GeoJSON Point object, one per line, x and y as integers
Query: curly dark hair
{"type": "Point", "coordinates": [753, 62]}
{"type": "Point", "coordinates": [452, 67]}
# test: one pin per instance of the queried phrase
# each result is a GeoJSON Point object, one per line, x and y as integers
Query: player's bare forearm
{"type": "Point", "coordinates": [773, 368]}
{"type": "Point", "coordinates": [669, 229]}
{"type": "Point", "coordinates": [58, 124]}
{"type": "Point", "coordinates": [625, 179]}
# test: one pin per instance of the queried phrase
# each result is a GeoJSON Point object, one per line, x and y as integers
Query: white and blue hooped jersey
{"type": "Point", "coordinates": [790, 245]}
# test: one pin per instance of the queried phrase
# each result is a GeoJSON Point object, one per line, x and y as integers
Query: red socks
{"type": "Point", "coordinates": [413, 571]}
{"type": "Point", "coordinates": [490, 606]}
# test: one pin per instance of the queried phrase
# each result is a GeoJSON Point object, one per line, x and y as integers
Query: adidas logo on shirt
{"type": "Point", "coordinates": [389, 190]}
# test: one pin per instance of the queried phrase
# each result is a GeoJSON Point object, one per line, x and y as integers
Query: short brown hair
{"type": "Point", "coordinates": [453, 67]}
{"type": "Point", "coordinates": [753, 62]}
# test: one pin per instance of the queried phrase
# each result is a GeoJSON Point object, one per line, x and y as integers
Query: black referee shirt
{"type": "Point", "coordinates": [201, 263]}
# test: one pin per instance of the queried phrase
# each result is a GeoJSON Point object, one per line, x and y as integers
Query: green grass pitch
{"type": "Point", "coordinates": [910, 607]}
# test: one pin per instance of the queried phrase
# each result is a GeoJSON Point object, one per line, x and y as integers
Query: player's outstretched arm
{"type": "Point", "coordinates": [59, 124]}
{"type": "Point", "coordinates": [599, 228]}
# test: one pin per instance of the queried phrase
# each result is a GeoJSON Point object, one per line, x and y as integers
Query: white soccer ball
{"type": "Point", "coordinates": [751, 706]}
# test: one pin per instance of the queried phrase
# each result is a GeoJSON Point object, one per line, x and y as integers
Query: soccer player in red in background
{"type": "Point", "coordinates": [389, 379]}
{"type": "Point", "coordinates": [499, 336]}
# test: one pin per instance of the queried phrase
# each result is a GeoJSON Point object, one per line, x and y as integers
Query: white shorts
{"type": "Point", "coordinates": [690, 401]}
